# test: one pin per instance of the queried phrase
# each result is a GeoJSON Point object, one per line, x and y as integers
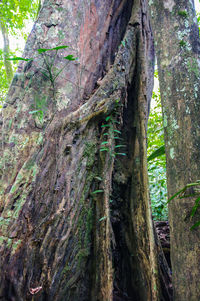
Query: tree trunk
{"type": "Point", "coordinates": [6, 52]}
{"type": "Point", "coordinates": [178, 48]}
{"type": "Point", "coordinates": [75, 215]}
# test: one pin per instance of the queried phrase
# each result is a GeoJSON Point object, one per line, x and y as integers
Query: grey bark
{"type": "Point", "coordinates": [178, 51]}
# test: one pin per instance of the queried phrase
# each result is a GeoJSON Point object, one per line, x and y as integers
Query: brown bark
{"type": "Point", "coordinates": [178, 49]}
{"type": "Point", "coordinates": [76, 222]}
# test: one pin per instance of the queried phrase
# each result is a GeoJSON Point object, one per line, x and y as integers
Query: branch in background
{"type": "Point", "coordinates": [6, 52]}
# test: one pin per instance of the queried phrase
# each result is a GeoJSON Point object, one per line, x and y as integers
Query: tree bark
{"type": "Point", "coordinates": [76, 221]}
{"type": "Point", "coordinates": [178, 48]}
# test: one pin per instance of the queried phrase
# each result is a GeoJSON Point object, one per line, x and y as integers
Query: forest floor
{"type": "Point", "coordinates": [163, 234]}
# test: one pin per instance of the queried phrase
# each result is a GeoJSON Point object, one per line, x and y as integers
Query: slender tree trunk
{"type": "Point", "coordinates": [76, 222]}
{"type": "Point", "coordinates": [178, 49]}
{"type": "Point", "coordinates": [6, 51]}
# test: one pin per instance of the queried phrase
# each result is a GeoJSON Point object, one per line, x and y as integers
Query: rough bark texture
{"type": "Point", "coordinates": [75, 220]}
{"type": "Point", "coordinates": [178, 49]}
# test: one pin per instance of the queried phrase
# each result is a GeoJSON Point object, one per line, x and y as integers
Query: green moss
{"type": "Point", "coordinates": [2, 240]}
{"type": "Point", "coordinates": [14, 188]}
{"type": "Point", "coordinates": [193, 66]}
{"type": "Point", "coordinates": [34, 170]}
{"type": "Point", "coordinates": [16, 244]}
{"type": "Point", "coordinates": [66, 269]}
{"type": "Point", "coordinates": [82, 255]}
{"type": "Point", "coordinates": [182, 43]}
{"type": "Point", "coordinates": [10, 124]}
{"type": "Point", "coordinates": [59, 8]}
{"type": "Point", "coordinates": [89, 152]}
{"type": "Point", "coordinates": [183, 13]}
{"type": "Point", "coordinates": [4, 221]}
{"type": "Point", "coordinates": [89, 224]}
{"type": "Point", "coordinates": [9, 242]}
{"type": "Point", "coordinates": [30, 164]}
{"type": "Point", "coordinates": [18, 206]}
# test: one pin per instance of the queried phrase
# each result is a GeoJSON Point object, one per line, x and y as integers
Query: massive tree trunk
{"type": "Point", "coordinates": [178, 49]}
{"type": "Point", "coordinates": [75, 217]}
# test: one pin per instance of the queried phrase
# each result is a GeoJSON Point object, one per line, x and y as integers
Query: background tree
{"type": "Point", "coordinates": [75, 217]}
{"type": "Point", "coordinates": [178, 50]}
{"type": "Point", "coordinates": [13, 14]}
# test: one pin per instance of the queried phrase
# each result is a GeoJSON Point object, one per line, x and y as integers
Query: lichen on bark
{"type": "Point", "coordinates": [67, 239]}
{"type": "Point", "coordinates": [178, 50]}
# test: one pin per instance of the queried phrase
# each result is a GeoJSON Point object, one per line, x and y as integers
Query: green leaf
{"type": "Point", "coordinates": [195, 225]}
{"type": "Point", "coordinates": [105, 142]}
{"type": "Point", "coordinates": [117, 131]}
{"type": "Point", "coordinates": [108, 118]}
{"type": "Point", "coordinates": [176, 194]}
{"type": "Point", "coordinates": [120, 145]}
{"type": "Point", "coordinates": [45, 74]}
{"type": "Point", "coordinates": [102, 218]}
{"type": "Point", "coordinates": [98, 178]}
{"type": "Point", "coordinates": [157, 153]}
{"type": "Point", "coordinates": [42, 50]}
{"type": "Point", "coordinates": [97, 191]}
{"type": "Point", "coordinates": [59, 47]}
{"type": "Point", "coordinates": [34, 112]}
{"type": "Point", "coordinates": [105, 125]}
{"type": "Point", "coordinates": [121, 154]}
{"type": "Point", "coordinates": [18, 58]}
{"type": "Point", "coordinates": [195, 207]}
{"type": "Point", "coordinates": [70, 57]}
{"type": "Point", "coordinates": [106, 134]}
{"type": "Point", "coordinates": [105, 149]}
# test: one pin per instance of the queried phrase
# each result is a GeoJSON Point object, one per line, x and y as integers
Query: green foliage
{"type": "Point", "coordinates": [102, 218]}
{"type": "Point", "coordinates": [97, 191]}
{"type": "Point", "coordinates": [17, 58]}
{"type": "Point", "coordinates": [4, 82]}
{"type": "Point", "coordinates": [182, 43]}
{"type": "Point", "coordinates": [111, 122]}
{"type": "Point", "coordinates": [198, 20]}
{"type": "Point", "coordinates": [39, 108]}
{"type": "Point", "coordinates": [49, 70]}
{"type": "Point", "coordinates": [183, 13]}
{"type": "Point", "coordinates": [186, 192]}
{"type": "Point", "coordinates": [14, 12]}
{"type": "Point", "coordinates": [157, 161]}
{"type": "Point", "coordinates": [157, 153]}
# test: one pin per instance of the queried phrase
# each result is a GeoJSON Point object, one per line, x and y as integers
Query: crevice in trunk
{"type": "Point", "coordinates": [127, 280]}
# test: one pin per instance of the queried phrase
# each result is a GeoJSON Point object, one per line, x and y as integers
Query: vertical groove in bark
{"type": "Point", "coordinates": [178, 48]}
{"type": "Point", "coordinates": [56, 183]}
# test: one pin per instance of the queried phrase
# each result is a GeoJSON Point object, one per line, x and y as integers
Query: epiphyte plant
{"type": "Point", "coordinates": [183, 193]}
{"type": "Point", "coordinates": [112, 132]}
{"type": "Point", "coordinates": [49, 71]}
